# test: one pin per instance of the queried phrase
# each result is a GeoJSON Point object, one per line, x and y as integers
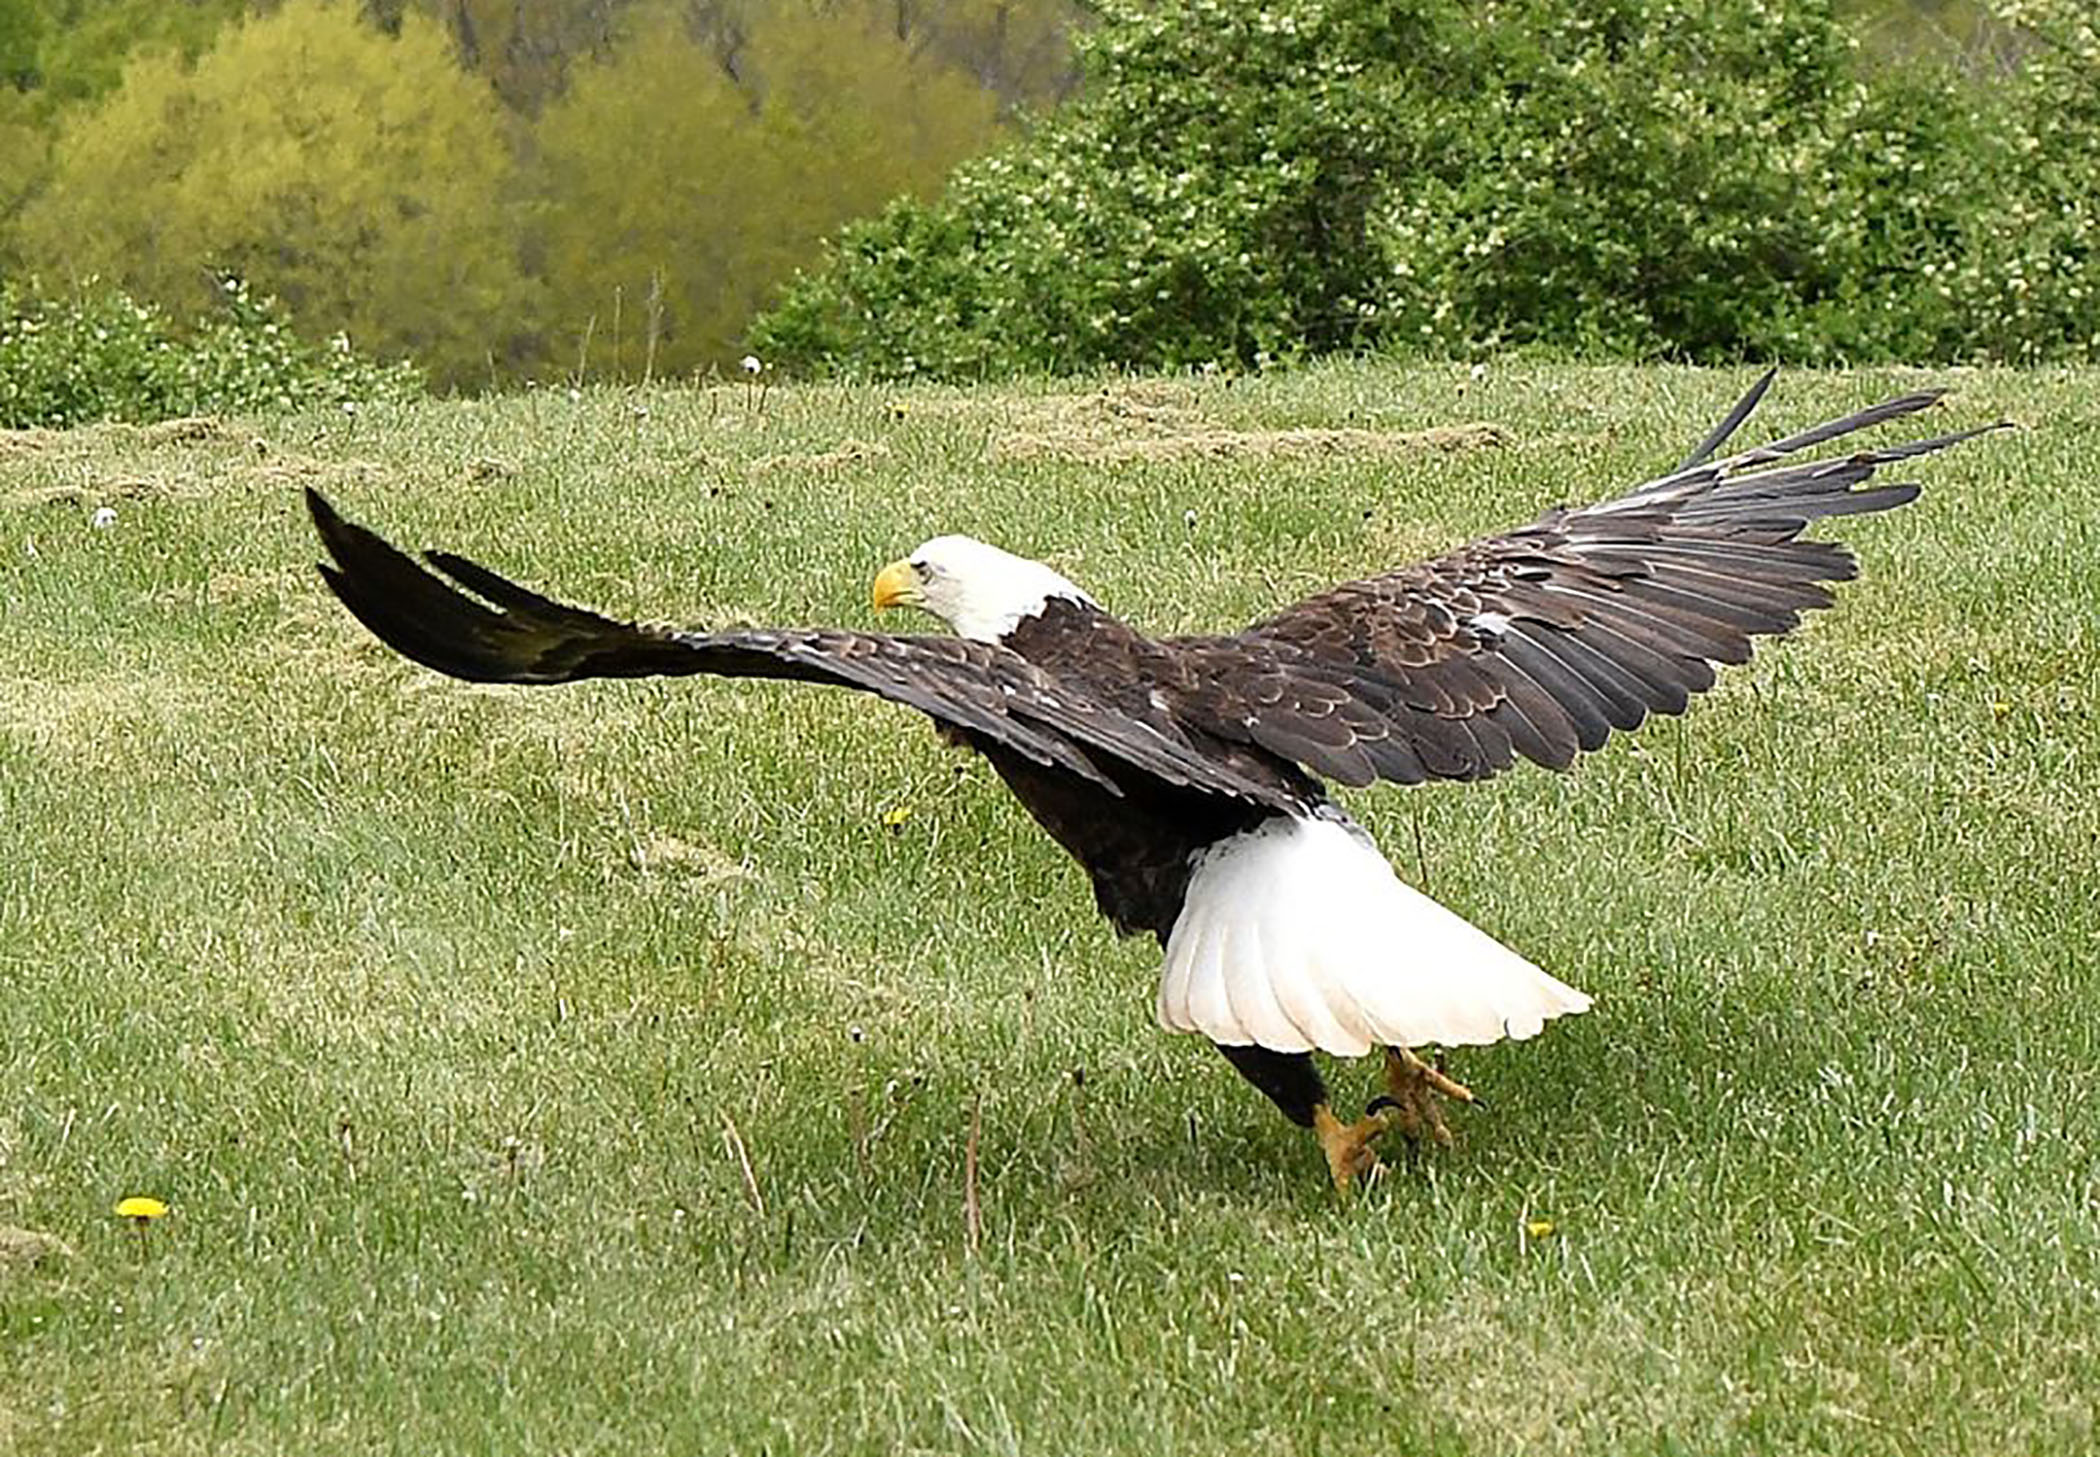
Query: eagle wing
{"type": "Point", "coordinates": [986, 692]}
{"type": "Point", "coordinates": [1540, 641]}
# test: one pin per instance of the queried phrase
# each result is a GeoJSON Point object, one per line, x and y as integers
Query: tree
{"type": "Point", "coordinates": [524, 47]}
{"type": "Point", "coordinates": [21, 41]}
{"type": "Point", "coordinates": [677, 195]}
{"type": "Point", "coordinates": [852, 118]}
{"type": "Point", "coordinates": [1019, 50]}
{"type": "Point", "coordinates": [651, 173]}
{"type": "Point", "coordinates": [361, 178]}
{"type": "Point", "coordinates": [87, 42]}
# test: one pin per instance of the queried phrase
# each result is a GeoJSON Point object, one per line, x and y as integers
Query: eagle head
{"type": "Point", "coordinates": [981, 592]}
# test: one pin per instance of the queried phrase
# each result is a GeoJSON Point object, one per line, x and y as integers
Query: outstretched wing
{"type": "Point", "coordinates": [512, 635]}
{"type": "Point", "coordinates": [1540, 641]}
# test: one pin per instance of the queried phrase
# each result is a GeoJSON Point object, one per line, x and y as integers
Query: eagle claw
{"type": "Point", "coordinates": [1350, 1155]}
{"type": "Point", "coordinates": [1412, 1096]}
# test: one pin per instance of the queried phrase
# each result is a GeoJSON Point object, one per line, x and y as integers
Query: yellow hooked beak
{"type": "Point", "coordinates": [897, 585]}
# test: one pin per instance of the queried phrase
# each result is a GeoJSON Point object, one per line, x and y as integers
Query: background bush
{"type": "Point", "coordinates": [97, 354]}
{"type": "Point", "coordinates": [1695, 179]}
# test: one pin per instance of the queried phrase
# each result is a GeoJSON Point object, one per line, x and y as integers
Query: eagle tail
{"type": "Point", "coordinates": [1296, 935]}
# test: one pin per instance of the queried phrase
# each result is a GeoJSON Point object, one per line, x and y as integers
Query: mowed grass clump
{"type": "Point", "coordinates": [593, 1069]}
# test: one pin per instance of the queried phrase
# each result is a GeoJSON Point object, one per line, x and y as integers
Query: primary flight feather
{"type": "Point", "coordinates": [1185, 774]}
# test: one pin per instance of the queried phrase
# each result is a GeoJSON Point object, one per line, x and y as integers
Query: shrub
{"type": "Point", "coordinates": [1699, 179]}
{"type": "Point", "coordinates": [2027, 282]}
{"type": "Point", "coordinates": [100, 355]}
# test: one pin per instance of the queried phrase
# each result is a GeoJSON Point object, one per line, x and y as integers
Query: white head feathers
{"type": "Point", "coordinates": [980, 591]}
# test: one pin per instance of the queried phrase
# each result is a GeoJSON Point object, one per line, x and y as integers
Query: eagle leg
{"type": "Point", "coordinates": [1411, 1104]}
{"type": "Point", "coordinates": [1293, 1084]}
{"type": "Point", "coordinates": [1413, 1087]}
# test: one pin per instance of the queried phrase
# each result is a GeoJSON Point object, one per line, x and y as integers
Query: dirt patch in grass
{"type": "Point", "coordinates": [27, 444]}
{"type": "Point", "coordinates": [84, 458]}
{"type": "Point", "coordinates": [692, 862]}
{"type": "Point", "coordinates": [227, 587]}
{"type": "Point", "coordinates": [26, 1249]}
{"type": "Point", "coordinates": [101, 492]}
{"type": "Point", "coordinates": [186, 430]}
{"type": "Point", "coordinates": [287, 473]}
{"type": "Point", "coordinates": [236, 587]}
{"type": "Point", "coordinates": [848, 453]}
{"type": "Point", "coordinates": [190, 430]}
{"type": "Point", "coordinates": [313, 636]}
{"type": "Point", "coordinates": [1246, 445]}
{"type": "Point", "coordinates": [1161, 423]}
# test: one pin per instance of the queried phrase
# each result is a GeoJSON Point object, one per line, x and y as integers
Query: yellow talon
{"type": "Point", "coordinates": [1348, 1145]}
{"type": "Point", "coordinates": [1411, 1088]}
{"type": "Point", "coordinates": [1410, 1103]}
{"type": "Point", "coordinates": [1401, 1063]}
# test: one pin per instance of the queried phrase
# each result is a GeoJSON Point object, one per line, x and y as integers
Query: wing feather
{"type": "Point", "coordinates": [515, 635]}
{"type": "Point", "coordinates": [1540, 641]}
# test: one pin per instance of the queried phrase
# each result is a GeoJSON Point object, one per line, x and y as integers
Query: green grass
{"type": "Point", "coordinates": [431, 1010]}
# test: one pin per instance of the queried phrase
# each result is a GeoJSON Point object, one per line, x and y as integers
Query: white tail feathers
{"type": "Point", "coordinates": [1297, 935]}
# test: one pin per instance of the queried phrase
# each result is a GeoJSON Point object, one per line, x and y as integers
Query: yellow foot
{"type": "Point", "coordinates": [1412, 1090]}
{"type": "Point", "coordinates": [1348, 1145]}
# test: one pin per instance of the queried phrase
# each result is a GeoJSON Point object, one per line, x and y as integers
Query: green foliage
{"type": "Point", "coordinates": [361, 178]}
{"type": "Point", "coordinates": [2028, 279]}
{"type": "Point", "coordinates": [513, 188]}
{"type": "Point", "coordinates": [24, 132]}
{"type": "Point", "coordinates": [640, 163]}
{"type": "Point", "coordinates": [87, 43]}
{"type": "Point", "coordinates": [1708, 179]}
{"type": "Point", "coordinates": [22, 27]}
{"type": "Point", "coordinates": [100, 355]}
{"type": "Point", "coordinates": [24, 147]}
{"type": "Point", "coordinates": [664, 165]}
{"type": "Point", "coordinates": [1181, 211]}
{"type": "Point", "coordinates": [675, 196]}
{"type": "Point", "coordinates": [1958, 30]}
{"type": "Point", "coordinates": [1628, 181]}
{"type": "Point", "coordinates": [529, 49]}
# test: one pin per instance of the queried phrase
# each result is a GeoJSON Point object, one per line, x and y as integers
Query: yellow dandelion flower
{"type": "Point", "coordinates": [1538, 1228]}
{"type": "Point", "coordinates": [141, 1210]}
{"type": "Point", "coordinates": [894, 818]}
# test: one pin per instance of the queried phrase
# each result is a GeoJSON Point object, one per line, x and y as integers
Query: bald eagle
{"type": "Point", "coordinates": [1186, 774]}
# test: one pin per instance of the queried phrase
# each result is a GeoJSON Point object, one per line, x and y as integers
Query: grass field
{"type": "Point", "coordinates": [592, 1069]}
